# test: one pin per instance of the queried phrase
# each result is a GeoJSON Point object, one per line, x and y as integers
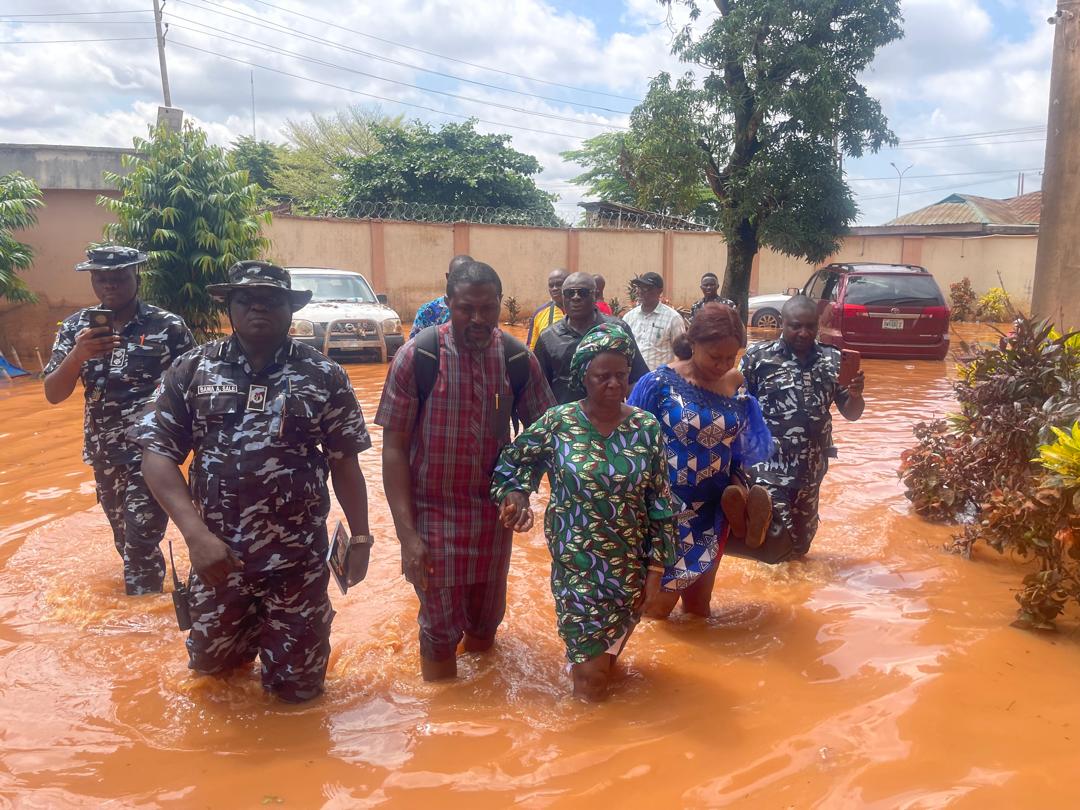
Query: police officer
{"type": "Point", "coordinates": [268, 419]}
{"type": "Point", "coordinates": [119, 365]}
{"type": "Point", "coordinates": [795, 379]}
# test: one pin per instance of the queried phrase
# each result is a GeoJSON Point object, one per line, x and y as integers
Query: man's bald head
{"type": "Point", "coordinates": [580, 280]}
{"type": "Point", "coordinates": [555, 281]}
{"type": "Point", "coordinates": [798, 305]}
{"type": "Point", "coordinates": [800, 327]}
{"type": "Point", "coordinates": [457, 262]}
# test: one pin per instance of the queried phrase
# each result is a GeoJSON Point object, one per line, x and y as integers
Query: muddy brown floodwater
{"type": "Point", "coordinates": [881, 673]}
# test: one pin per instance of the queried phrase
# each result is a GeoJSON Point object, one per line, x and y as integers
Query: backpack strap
{"type": "Point", "coordinates": [426, 361]}
{"type": "Point", "coordinates": [517, 363]}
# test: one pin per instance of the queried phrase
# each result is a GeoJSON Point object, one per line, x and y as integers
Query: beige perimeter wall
{"type": "Point", "coordinates": [408, 260]}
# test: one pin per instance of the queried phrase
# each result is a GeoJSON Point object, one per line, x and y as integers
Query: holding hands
{"type": "Point", "coordinates": [515, 512]}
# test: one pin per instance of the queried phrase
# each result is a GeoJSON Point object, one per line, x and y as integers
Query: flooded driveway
{"type": "Point", "coordinates": [880, 673]}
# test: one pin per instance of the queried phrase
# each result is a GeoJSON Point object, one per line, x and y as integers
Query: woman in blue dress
{"type": "Point", "coordinates": [711, 431]}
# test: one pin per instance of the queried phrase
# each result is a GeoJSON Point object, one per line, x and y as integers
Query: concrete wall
{"type": "Point", "coordinates": [408, 260]}
{"type": "Point", "coordinates": [63, 167]}
{"type": "Point", "coordinates": [68, 223]}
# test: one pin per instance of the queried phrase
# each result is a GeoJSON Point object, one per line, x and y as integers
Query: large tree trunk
{"type": "Point", "coordinates": [742, 247]}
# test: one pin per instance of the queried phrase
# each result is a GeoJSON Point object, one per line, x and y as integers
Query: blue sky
{"type": "Point", "coordinates": [965, 66]}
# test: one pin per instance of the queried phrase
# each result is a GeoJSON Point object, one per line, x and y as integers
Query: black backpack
{"type": "Point", "coordinates": [426, 368]}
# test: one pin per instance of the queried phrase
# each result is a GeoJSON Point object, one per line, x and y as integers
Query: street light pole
{"type": "Point", "coordinates": [900, 183]}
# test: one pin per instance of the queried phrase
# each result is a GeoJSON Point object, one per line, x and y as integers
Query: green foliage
{"type": "Point", "coordinates": [964, 300]}
{"type": "Point", "coordinates": [994, 306]}
{"type": "Point", "coordinates": [978, 468]}
{"type": "Point", "coordinates": [20, 199]}
{"type": "Point", "coordinates": [617, 307]}
{"type": "Point", "coordinates": [261, 160]}
{"type": "Point", "coordinates": [193, 211]}
{"type": "Point", "coordinates": [782, 87]}
{"type": "Point", "coordinates": [513, 310]}
{"type": "Point", "coordinates": [454, 165]}
{"type": "Point", "coordinates": [606, 174]}
{"type": "Point", "coordinates": [1062, 457]}
{"type": "Point", "coordinates": [310, 163]}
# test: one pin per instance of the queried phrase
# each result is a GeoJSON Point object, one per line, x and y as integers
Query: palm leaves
{"type": "Point", "coordinates": [20, 198]}
{"type": "Point", "coordinates": [187, 205]}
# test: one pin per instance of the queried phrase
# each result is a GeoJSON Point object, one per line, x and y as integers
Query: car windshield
{"type": "Point", "coordinates": [351, 289]}
{"type": "Point", "coordinates": [893, 290]}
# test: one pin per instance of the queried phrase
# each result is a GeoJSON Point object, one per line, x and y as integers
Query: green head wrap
{"type": "Point", "coordinates": [607, 337]}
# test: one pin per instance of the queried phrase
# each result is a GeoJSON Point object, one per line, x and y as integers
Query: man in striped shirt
{"type": "Point", "coordinates": [439, 451]}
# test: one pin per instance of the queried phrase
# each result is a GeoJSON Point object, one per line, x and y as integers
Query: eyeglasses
{"type": "Point", "coordinates": [578, 292]}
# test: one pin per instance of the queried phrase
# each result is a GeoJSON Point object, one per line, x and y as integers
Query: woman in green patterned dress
{"type": "Point", "coordinates": [609, 523]}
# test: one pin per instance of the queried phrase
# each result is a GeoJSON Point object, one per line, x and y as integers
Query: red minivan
{"type": "Point", "coordinates": [881, 310]}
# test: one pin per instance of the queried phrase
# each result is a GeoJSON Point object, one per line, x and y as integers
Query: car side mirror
{"type": "Point", "coordinates": [793, 291]}
{"type": "Point", "coordinates": [383, 298]}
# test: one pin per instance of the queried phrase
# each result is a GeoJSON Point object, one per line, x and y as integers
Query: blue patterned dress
{"type": "Point", "coordinates": [706, 436]}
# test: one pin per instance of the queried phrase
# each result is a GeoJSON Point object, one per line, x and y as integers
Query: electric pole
{"type": "Point", "coordinates": [253, 106]}
{"type": "Point", "coordinates": [161, 55]}
{"type": "Point", "coordinates": [1057, 265]}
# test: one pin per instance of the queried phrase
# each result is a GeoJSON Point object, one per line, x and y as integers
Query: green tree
{"type": "Point", "coordinates": [194, 212]}
{"type": "Point", "coordinates": [309, 171]}
{"type": "Point", "coordinates": [619, 170]}
{"type": "Point", "coordinates": [451, 166]}
{"type": "Point", "coordinates": [20, 198]}
{"type": "Point", "coordinates": [780, 97]}
{"type": "Point", "coordinates": [261, 160]}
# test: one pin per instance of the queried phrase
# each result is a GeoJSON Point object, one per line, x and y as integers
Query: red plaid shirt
{"type": "Point", "coordinates": [455, 444]}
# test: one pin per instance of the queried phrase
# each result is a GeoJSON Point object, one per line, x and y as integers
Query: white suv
{"type": "Point", "coordinates": [344, 314]}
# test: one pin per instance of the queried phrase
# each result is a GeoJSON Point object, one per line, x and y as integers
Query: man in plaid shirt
{"type": "Point", "coordinates": [438, 457]}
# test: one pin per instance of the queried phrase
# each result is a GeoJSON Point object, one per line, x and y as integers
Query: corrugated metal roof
{"type": "Point", "coordinates": [964, 209]}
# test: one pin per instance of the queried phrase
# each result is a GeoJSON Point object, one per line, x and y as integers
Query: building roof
{"type": "Point", "coordinates": [969, 209]}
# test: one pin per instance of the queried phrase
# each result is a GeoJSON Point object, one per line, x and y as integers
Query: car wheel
{"type": "Point", "coordinates": [766, 319]}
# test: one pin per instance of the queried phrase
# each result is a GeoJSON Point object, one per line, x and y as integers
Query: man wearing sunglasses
{"type": "Point", "coordinates": [556, 346]}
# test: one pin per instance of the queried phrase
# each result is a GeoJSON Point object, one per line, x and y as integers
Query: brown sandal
{"type": "Point", "coordinates": [759, 511]}
{"type": "Point", "coordinates": [733, 502]}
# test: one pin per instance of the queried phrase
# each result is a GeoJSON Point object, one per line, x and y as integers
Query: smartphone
{"type": "Point", "coordinates": [100, 317]}
{"type": "Point", "coordinates": [849, 366]}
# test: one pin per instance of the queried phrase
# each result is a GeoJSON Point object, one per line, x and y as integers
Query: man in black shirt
{"type": "Point", "coordinates": [557, 344]}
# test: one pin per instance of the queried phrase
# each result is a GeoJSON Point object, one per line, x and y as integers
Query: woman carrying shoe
{"type": "Point", "coordinates": [609, 523]}
{"type": "Point", "coordinates": [710, 431]}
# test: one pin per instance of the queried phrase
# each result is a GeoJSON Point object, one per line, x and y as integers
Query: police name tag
{"type": "Point", "coordinates": [118, 358]}
{"type": "Point", "coordinates": [218, 389]}
{"type": "Point", "coordinates": [256, 401]}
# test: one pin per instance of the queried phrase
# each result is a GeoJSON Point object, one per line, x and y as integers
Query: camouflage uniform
{"type": "Point", "coordinates": [259, 480]}
{"type": "Point", "coordinates": [116, 389]}
{"type": "Point", "coordinates": [796, 399]}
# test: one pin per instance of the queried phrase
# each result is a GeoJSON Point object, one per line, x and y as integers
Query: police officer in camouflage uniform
{"type": "Point", "coordinates": [795, 380]}
{"type": "Point", "coordinates": [119, 367]}
{"type": "Point", "coordinates": [268, 420]}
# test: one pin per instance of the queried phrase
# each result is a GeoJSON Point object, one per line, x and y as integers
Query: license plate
{"type": "Point", "coordinates": [347, 344]}
{"type": "Point", "coordinates": [892, 323]}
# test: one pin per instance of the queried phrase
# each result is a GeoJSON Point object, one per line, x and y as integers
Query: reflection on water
{"type": "Point", "coordinates": [879, 673]}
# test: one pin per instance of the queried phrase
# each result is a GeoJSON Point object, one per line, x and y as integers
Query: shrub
{"type": "Point", "coordinates": [994, 306]}
{"type": "Point", "coordinates": [187, 205]}
{"type": "Point", "coordinates": [964, 300]}
{"type": "Point", "coordinates": [513, 310]}
{"type": "Point", "coordinates": [617, 308]}
{"type": "Point", "coordinates": [1005, 467]}
{"type": "Point", "coordinates": [20, 199]}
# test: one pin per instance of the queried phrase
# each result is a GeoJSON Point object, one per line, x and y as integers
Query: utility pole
{"type": "Point", "coordinates": [1057, 265]}
{"type": "Point", "coordinates": [253, 107]}
{"type": "Point", "coordinates": [161, 55]}
{"type": "Point", "coordinates": [900, 183]}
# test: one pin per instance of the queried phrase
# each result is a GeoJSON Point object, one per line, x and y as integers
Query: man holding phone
{"type": "Point", "coordinates": [119, 351]}
{"type": "Point", "coordinates": [796, 380]}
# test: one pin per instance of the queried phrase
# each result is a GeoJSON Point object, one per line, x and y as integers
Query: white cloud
{"type": "Point", "coordinates": [955, 72]}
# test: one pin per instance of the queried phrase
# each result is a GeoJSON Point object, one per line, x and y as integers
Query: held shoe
{"type": "Point", "coordinates": [733, 502]}
{"type": "Point", "coordinates": [759, 509]}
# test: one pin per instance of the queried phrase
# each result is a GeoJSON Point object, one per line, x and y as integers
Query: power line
{"type": "Point", "coordinates": [247, 41]}
{"type": "Point", "coordinates": [893, 195]}
{"type": "Point", "coordinates": [80, 13]}
{"type": "Point", "coordinates": [251, 19]}
{"type": "Point", "coordinates": [943, 174]}
{"type": "Point", "coordinates": [75, 22]}
{"type": "Point", "coordinates": [67, 41]}
{"type": "Point", "coordinates": [439, 55]}
{"type": "Point", "coordinates": [975, 143]}
{"type": "Point", "coordinates": [373, 95]}
{"type": "Point", "coordinates": [967, 135]}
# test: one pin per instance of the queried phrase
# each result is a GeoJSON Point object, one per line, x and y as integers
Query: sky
{"type": "Point", "coordinates": [547, 73]}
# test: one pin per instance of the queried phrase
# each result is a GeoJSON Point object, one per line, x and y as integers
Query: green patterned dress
{"type": "Point", "coordinates": [608, 517]}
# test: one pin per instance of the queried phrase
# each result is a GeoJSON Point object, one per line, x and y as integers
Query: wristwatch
{"type": "Point", "coordinates": [361, 539]}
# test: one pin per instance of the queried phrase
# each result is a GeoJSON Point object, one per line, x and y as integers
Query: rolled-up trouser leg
{"type": "Point", "coordinates": [138, 525]}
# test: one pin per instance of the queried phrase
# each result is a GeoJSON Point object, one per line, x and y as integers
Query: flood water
{"type": "Point", "coordinates": [881, 673]}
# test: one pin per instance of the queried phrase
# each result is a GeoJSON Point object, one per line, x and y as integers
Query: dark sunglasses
{"type": "Point", "coordinates": [578, 292]}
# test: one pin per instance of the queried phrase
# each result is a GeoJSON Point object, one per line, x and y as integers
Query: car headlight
{"type": "Point", "coordinates": [391, 326]}
{"type": "Point", "coordinates": [302, 329]}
